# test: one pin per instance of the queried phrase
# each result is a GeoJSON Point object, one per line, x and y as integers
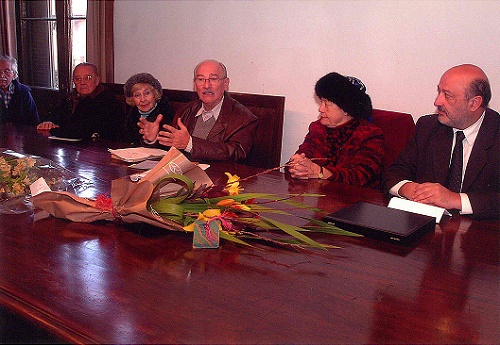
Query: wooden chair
{"type": "Point", "coordinates": [266, 149]}
{"type": "Point", "coordinates": [46, 100]}
{"type": "Point", "coordinates": [398, 129]}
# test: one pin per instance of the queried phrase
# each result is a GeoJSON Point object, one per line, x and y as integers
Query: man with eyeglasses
{"type": "Point", "coordinates": [89, 112]}
{"type": "Point", "coordinates": [214, 128]}
{"type": "Point", "coordinates": [16, 102]}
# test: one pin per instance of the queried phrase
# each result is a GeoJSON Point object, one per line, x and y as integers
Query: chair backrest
{"type": "Point", "coordinates": [45, 99]}
{"type": "Point", "coordinates": [398, 129]}
{"type": "Point", "coordinates": [266, 148]}
{"type": "Point", "coordinates": [117, 90]}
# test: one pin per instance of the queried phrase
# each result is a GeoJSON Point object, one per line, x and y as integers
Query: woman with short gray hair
{"type": "Point", "coordinates": [144, 94]}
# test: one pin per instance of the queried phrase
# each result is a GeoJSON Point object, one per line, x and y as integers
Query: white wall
{"type": "Point", "coordinates": [399, 49]}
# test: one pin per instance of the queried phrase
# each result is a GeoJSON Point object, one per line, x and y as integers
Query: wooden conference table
{"type": "Point", "coordinates": [108, 283]}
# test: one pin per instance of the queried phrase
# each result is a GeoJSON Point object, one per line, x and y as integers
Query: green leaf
{"type": "Point", "coordinates": [169, 210]}
{"type": "Point", "coordinates": [294, 231]}
{"type": "Point", "coordinates": [264, 209]}
{"type": "Point", "coordinates": [188, 220]}
{"type": "Point", "coordinates": [329, 228]}
{"type": "Point", "coordinates": [233, 238]}
{"type": "Point", "coordinates": [267, 196]}
{"type": "Point", "coordinates": [257, 223]}
{"type": "Point", "coordinates": [181, 195]}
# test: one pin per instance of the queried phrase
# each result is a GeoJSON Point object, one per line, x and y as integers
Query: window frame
{"type": "Point", "coordinates": [64, 42]}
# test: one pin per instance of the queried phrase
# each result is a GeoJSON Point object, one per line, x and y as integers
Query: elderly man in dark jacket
{"type": "Point", "coordinates": [89, 112]}
{"type": "Point", "coordinates": [16, 103]}
{"type": "Point", "coordinates": [214, 128]}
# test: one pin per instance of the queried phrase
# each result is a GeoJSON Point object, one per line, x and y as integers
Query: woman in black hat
{"type": "Point", "coordinates": [144, 93]}
{"type": "Point", "coordinates": [342, 145]}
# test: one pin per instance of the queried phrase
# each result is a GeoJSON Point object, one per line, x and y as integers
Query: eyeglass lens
{"type": "Point", "coordinates": [78, 80]}
{"type": "Point", "coordinates": [202, 80]}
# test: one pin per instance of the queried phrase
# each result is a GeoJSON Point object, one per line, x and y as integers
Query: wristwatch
{"type": "Point", "coordinates": [320, 175]}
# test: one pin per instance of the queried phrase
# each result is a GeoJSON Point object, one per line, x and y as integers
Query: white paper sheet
{"type": "Point", "coordinates": [39, 186]}
{"type": "Point", "coordinates": [137, 154]}
{"type": "Point", "coordinates": [52, 137]}
{"type": "Point", "coordinates": [415, 207]}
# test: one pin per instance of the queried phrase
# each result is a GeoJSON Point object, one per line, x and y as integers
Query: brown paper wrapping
{"type": "Point", "coordinates": [129, 199]}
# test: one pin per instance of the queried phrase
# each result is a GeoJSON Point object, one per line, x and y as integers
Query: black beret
{"type": "Point", "coordinates": [141, 78]}
{"type": "Point", "coordinates": [348, 93]}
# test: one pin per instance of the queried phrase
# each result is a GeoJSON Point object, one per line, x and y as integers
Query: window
{"type": "Point", "coordinates": [51, 41]}
{"type": "Point", "coordinates": [78, 29]}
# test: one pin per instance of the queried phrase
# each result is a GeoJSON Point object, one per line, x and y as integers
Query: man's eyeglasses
{"type": "Point", "coordinates": [86, 79]}
{"type": "Point", "coordinates": [212, 80]}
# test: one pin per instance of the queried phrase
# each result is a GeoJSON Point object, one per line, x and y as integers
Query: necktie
{"type": "Point", "coordinates": [454, 180]}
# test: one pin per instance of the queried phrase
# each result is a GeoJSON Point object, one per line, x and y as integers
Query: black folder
{"type": "Point", "coordinates": [382, 223]}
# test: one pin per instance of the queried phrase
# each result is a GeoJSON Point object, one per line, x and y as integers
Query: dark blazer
{"type": "Point", "coordinates": [22, 108]}
{"type": "Point", "coordinates": [231, 137]}
{"type": "Point", "coordinates": [427, 156]}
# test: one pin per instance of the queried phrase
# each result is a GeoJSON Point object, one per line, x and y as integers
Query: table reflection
{"type": "Point", "coordinates": [443, 303]}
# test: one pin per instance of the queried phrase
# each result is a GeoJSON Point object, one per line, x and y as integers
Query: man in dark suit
{"type": "Point", "coordinates": [423, 172]}
{"type": "Point", "coordinates": [214, 128]}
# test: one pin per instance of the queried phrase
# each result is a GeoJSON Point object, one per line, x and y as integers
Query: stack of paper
{"type": "Point", "coordinates": [137, 154]}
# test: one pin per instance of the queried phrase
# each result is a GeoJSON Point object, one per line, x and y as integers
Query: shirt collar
{"type": "Point", "coordinates": [146, 113]}
{"type": "Point", "coordinates": [10, 90]}
{"type": "Point", "coordinates": [471, 131]}
{"type": "Point", "coordinates": [216, 110]}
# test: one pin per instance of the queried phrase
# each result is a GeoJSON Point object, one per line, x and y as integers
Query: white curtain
{"type": "Point", "coordinates": [100, 45]}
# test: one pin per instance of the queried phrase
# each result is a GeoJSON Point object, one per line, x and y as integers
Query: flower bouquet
{"type": "Point", "coordinates": [178, 195]}
{"type": "Point", "coordinates": [19, 171]}
{"type": "Point", "coordinates": [128, 202]}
